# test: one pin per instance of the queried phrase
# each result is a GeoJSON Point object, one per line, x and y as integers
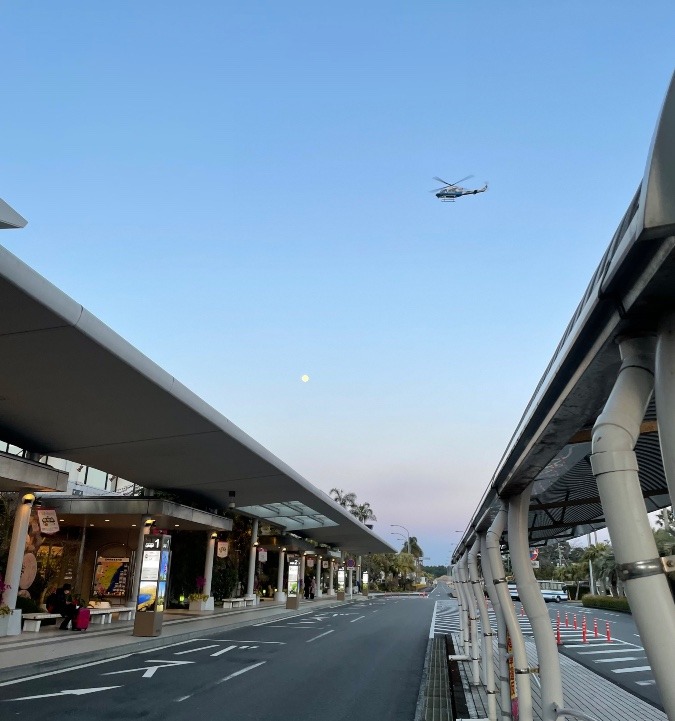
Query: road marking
{"type": "Point", "coordinates": [194, 650]}
{"type": "Point", "coordinates": [585, 645]}
{"type": "Point", "coordinates": [320, 635]}
{"type": "Point", "coordinates": [149, 670]}
{"type": "Point", "coordinates": [651, 682]}
{"type": "Point", "coordinates": [633, 669]}
{"type": "Point", "coordinates": [239, 673]}
{"type": "Point", "coordinates": [236, 640]}
{"type": "Point", "coordinates": [613, 650]}
{"type": "Point", "coordinates": [72, 692]}
{"type": "Point", "coordinates": [63, 670]}
{"type": "Point", "coordinates": [223, 650]}
{"type": "Point", "coordinates": [172, 645]}
{"type": "Point", "coordinates": [356, 619]}
{"type": "Point", "coordinates": [616, 660]}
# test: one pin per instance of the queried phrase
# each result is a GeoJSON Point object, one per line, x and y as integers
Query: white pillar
{"type": "Point", "coordinates": [279, 594]}
{"type": "Point", "coordinates": [359, 577]}
{"type": "Point", "coordinates": [208, 571]}
{"type": "Point", "coordinates": [17, 548]}
{"type": "Point", "coordinates": [350, 591]}
{"type": "Point", "coordinates": [463, 566]}
{"type": "Point", "coordinates": [252, 560]}
{"type": "Point", "coordinates": [331, 568]}
{"type": "Point", "coordinates": [301, 579]}
{"type": "Point", "coordinates": [318, 576]}
{"type": "Point", "coordinates": [614, 464]}
{"type": "Point", "coordinates": [535, 606]}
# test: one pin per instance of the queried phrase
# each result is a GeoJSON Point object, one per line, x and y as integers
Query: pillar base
{"type": "Point", "coordinates": [279, 596]}
{"type": "Point", "coordinates": [10, 625]}
{"type": "Point", "coordinates": [202, 605]}
{"type": "Point", "coordinates": [293, 602]}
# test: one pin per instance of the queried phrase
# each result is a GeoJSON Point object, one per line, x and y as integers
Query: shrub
{"type": "Point", "coordinates": [610, 603]}
{"type": "Point", "coordinates": [27, 605]}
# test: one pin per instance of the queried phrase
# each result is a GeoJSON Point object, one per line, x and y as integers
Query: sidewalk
{"type": "Point", "coordinates": [51, 650]}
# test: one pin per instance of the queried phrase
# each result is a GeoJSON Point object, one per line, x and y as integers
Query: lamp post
{"type": "Point", "coordinates": [395, 525]}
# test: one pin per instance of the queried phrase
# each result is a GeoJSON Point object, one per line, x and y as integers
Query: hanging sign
{"type": "Point", "coordinates": [262, 555]}
{"type": "Point", "coordinates": [48, 520]}
{"type": "Point", "coordinates": [310, 563]}
{"type": "Point", "coordinates": [222, 549]}
{"type": "Point", "coordinates": [324, 564]}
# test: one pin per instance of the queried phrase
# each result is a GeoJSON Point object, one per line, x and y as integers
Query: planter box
{"type": "Point", "coordinates": [202, 605]}
{"type": "Point", "coordinates": [10, 625]}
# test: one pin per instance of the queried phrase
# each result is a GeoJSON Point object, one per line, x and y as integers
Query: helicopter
{"type": "Point", "coordinates": [451, 191]}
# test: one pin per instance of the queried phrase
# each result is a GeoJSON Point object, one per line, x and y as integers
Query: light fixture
{"type": "Point", "coordinates": [133, 525]}
{"type": "Point", "coordinates": [214, 535]}
{"type": "Point", "coordinates": [107, 520]}
{"type": "Point", "coordinates": [28, 498]}
{"type": "Point", "coordinates": [176, 525]}
{"type": "Point", "coordinates": [91, 524]}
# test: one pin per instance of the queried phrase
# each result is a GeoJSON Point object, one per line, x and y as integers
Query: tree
{"type": "Point", "coordinates": [363, 512]}
{"type": "Point", "coordinates": [344, 499]}
{"type": "Point", "coordinates": [665, 519]}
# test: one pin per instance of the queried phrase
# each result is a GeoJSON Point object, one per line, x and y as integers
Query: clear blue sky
{"type": "Point", "coordinates": [241, 191]}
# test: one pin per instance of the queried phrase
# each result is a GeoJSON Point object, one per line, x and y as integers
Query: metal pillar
{"type": "Point", "coordinates": [279, 594]}
{"type": "Point", "coordinates": [463, 612]}
{"type": "Point", "coordinates": [252, 561]}
{"type": "Point", "coordinates": [522, 669]}
{"type": "Point", "coordinates": [614, 464]}
{"type": "Point", "coordinates": [664, 388]}
{"type": "Point", "coordinates": [351, 589]}
{"type": "Point", "coordinates": [301, 576]}
{"type": "Point", "coordinates": [535, 606]}
{"type": "Point", "coordinates": [502, 664]}
{"type": "Point", "coordinates": [318, 576]}
{"type": "Point", "coordinates": [208, 570]}
{"type": "Point", "coordinates": [17, 548]}
{"type": "Point", "coordinates": [488, 657]}
{"type": "Point", "coordinates": [473, 629]}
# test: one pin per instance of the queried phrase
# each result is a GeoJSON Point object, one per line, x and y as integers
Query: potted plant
{"type": "Point", "coordinates": [200, 601]}
{"type": "Point", "coordinates": [10, 619]}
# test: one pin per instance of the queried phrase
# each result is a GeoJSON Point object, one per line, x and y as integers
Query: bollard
{"type": "Point", "coordinates": [609, 635]}
{"type": "Point", "coordinates": [567, 620]}
{"type": "Point", "coordinates": [595, 628]}
{"type": "Point", "coordinates": [558, 639]}
{"type": "Point", "coordinates": [575, 622]}
{"type": "Point", "coordinates": [583, 630]}
{"type": "Point", "coordinates": [522, 610]}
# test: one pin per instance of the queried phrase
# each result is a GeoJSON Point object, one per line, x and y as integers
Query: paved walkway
{"type": "Point", "coordinates": [51, 650]}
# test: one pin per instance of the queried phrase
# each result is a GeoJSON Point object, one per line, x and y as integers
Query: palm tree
{"type": "Point", "coordinates": [363, 512]}
{"type": "Point", "coordinates": [344, 499]}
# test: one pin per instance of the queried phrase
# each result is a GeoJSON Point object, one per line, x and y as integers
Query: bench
{"type": "Point", "coordinates": [99, 617]}
{"type": "Point", "coordinates": [234, 603]}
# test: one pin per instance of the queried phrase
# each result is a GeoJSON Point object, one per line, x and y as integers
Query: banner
{"type": "Point", "coordinates": [262, 555]}
{"type": "Point", "coordinates": [111, 576]}
{"type": "Point", "coordinates": [48, 520]}
{"type": "Point", "coordinates": [222, 549]}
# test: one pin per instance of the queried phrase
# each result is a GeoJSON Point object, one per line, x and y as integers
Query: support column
{"type": "Point", "coordinates": [488, 656]}
{"type": "Point", "coordinates": [318, 577]}
{"type": "Point", "coordinates": [359, 575]}
{"type": "Point", "coordinates": [17, 548]}
{"type": "Point", "coordinates": [208, 570]}
{"type": "Point", "coordinates": [301, 573]}
{"type": "Point", "coordinates": [664, 388]}
{"type": "Point", "coordinates": [279, 594]}
{"type": "Point", "coordinates": [473, 629]}
{"type": "Point", "coordinates": [143, 531]}
{"type": "Point", "coordinates": [502, 663]}
{"type": "Point", "coordinates": [614, 464]}
{"type": "Point", "coordinates": [252, 561]}
{"type": "Point", "coordinates": [350, 589]}
{"type": "Point", "coordinates": [331, 567]}
{"type": "Point", "coordinates": [520, 662]}
{"type": "Point", "coordinates": [535, 606]}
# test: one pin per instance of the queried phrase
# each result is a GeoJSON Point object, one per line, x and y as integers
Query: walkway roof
{"type": "Point", "coordinates": [631, 289]}
{"type": "Point", "coordinates": [72, 388]}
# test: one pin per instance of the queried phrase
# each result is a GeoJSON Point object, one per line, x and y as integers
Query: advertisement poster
{"type": "Point", "coordinates": [161, 595]}
{"type": "Point", "coordinates": [365, 578]}
{"type": "Point", "coordinates": [293, 571]}
{"type": "Point", "coordinates": [341, 579]}
{"type": "Point", "coordinates": [150, 567]}
{"type": "Point", "coordinates": [147, 596]}
{"type": "Point", "coordinates": [111, 576]}
{"type": "Point", "coordinates": [164, 565]}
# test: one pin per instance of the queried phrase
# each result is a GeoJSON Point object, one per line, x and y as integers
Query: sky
{"type": "Point", "coordinates": [241, 190]}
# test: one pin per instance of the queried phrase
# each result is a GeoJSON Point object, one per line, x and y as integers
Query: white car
{"type": "Point", "coordinates": [548, 594]}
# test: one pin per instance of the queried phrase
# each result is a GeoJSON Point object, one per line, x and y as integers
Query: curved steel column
{"type": "Point", "coordinates": [523, 683]}
{"type": "Point", "coordinates": [535, 606]}
{"type": "Point", "coordinates": [486, 628]}
{"type": "Point", "coordinates": [473, 629]}
{"type": "Point", "coordinates": [502, 665]}
{"type": "Point", "coordinates": [615, 467]}
{"type": "Point", "coordinates": [463, 612]}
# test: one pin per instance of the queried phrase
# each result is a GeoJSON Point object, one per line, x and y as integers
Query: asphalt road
{"type": "Point", "coordinates": [622, 660]}
{"type": "Point", "coordinates": [359, 660]}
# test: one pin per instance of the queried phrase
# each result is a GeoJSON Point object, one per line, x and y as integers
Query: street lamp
{"type": "Point", "coordinates": [394, 525]}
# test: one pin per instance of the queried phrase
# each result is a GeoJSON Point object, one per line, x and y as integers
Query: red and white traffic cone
{"type": "Point", "coordinates": [583, 630]}
{"type": "Point", "coordinates": [575, 622]}
{"type": "Point", "coordinates": [567, 620]}
{"type": "Point", "coordinates": [595, 628]}
{"type": "Point", "coordinates": [558, 618]}
{"type": "Point", "coordinates": [609, 635]}
{"type": "Point", "coordinates": [558, 639]}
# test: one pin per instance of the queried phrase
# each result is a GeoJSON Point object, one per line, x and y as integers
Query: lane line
{"type": "Point", "coordinates": [239, 673]}
{"type": "Point", "coordinates": [634, 669]}
{"type": "Point", "coordinates": [236, 640]}
{"type": "Point", "coordinates": [356, 619]}
{"type": "Point", "coordinates": [194, 650]}
{"type": "Point", "coordinates": [63, 670]}
{"type": "Point", "coordinates": [172, 645]}
{"type": "Point", "coordinates": [616, 660]}
{"type": "Point", "coordinates": [320, 635]}
{"type": "Point", "coordinates": [613, 650]}
{"type": "Point", "coordinates": [223, 650]}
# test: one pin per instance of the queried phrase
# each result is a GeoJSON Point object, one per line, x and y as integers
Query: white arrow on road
{"type": "Point", "coordinates": [150, 670]}
{"type": "Point", "coordinates": [70, 692]}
